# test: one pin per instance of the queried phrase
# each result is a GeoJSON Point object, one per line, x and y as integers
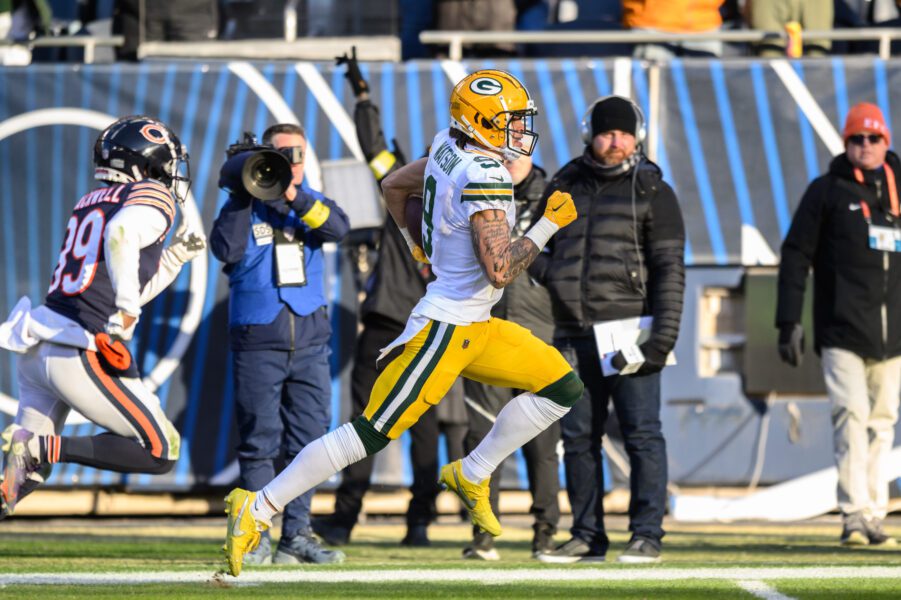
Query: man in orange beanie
{"type": "Point", "coordinates": [848, 227]}
{"type": "Point", "coordinates": [867, 118]}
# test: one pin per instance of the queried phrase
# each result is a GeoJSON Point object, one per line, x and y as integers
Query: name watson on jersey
{"type": "Point", "coordinates": [446, 158]}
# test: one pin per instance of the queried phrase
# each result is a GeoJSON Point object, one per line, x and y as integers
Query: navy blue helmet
{"type": "Point", "coordinates": [140, 147]}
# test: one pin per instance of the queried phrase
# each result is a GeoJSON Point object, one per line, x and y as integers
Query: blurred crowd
{"type": "Point", "coordinates": [192, 20]}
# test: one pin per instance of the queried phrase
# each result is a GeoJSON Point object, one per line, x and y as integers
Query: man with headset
{"type": "Point", "coordinates": [621, 259]}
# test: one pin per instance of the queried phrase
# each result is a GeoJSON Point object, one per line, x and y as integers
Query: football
{"type": "Point", "coordinates": [413, 214]}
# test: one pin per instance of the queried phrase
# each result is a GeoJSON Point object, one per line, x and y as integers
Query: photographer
{"type": "Point", "coordinates": [278, 326]}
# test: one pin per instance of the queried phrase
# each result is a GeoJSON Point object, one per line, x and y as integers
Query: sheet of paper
{"type": "Point", "coordinates": [612, 336]}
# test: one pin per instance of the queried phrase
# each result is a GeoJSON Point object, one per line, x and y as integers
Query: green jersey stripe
{"type": "Point", "coordinates": [483, 197]}
{"type": "Point", "coordinates": [489, 186]}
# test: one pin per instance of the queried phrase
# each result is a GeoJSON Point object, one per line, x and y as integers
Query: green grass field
{"type": "Point", "coordinates": [180, 558]}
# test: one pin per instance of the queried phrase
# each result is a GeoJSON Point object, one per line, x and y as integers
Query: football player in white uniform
{"type": "Point", "coordinates": [468, 213]}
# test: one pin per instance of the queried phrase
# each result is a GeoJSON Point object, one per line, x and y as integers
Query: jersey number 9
{"type": "Point", "coordinates": [428, 207]}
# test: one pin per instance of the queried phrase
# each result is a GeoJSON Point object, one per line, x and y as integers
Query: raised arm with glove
{"type": "Point", "coordinates": [367, 120]}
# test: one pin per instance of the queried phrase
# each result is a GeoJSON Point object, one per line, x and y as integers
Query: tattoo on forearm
{"type": "Point", "coordinates": [502, 260]}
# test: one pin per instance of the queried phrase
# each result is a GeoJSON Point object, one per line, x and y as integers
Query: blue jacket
{"type": "Point", "coordinates": [263, 316]}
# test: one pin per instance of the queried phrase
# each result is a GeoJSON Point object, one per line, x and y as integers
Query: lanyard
{"type": "Point", "coordinates": [892, 191]}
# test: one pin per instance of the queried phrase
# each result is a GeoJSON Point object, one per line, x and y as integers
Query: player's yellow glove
{"type": "Point", "coordinates": [561, 210]}
{"type": "Point", "coordinates": [419, 255]}
{"type": "Point", "coordinates": [415, 249]}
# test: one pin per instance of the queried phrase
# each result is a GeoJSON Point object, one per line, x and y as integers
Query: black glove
{"type": "Point", "coordinates": [618, 361]}
{"type": "Point", "coordinates": [303, 202]}
{"type": "Point", "coordinates": [791, 343]}
{"type": "Point", "coordinates": [652, 362]}
{"type": "Point", "coordinates": [650, 367]}
{"type": "Point", "coordinates": [354, 76]}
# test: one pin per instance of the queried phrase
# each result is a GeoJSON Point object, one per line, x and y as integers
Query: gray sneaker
{"type": "Point", "coordinates": [575, 550]}
{"type": "Point", "coordinates": [305, 549]}
{"type": "Point", "coordinates": [640, 550]}
{"type": "Point", "coordinates": [262, 555]}
{"type": "Point", "coordinates": [854, 531]}
{"type": "Point", "coordinates": [876, 536]}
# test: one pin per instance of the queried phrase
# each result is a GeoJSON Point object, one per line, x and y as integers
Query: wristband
{"type": "Point", "coordinates": [407, 238]}
{"type": "Point", "coordinates": [382, 163]}
{"type": "Point", "coordinates": [317, 215]}
{"type": "Point", "coordinates": [540, 233]}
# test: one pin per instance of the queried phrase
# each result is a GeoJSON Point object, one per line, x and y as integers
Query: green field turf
{"type": "Point", "coordinates": [702, 554]}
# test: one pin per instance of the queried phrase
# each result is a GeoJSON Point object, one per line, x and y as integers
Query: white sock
{"type": "Point", "coordinates": [263, 509]}
{"type": "Point", "coordinates": [318, 461]}
{"type": "Point", "coordinates": [523, 418]}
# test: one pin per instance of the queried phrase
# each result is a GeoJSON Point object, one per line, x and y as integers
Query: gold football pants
{"type": "Point", "coordinates": [495, 352]}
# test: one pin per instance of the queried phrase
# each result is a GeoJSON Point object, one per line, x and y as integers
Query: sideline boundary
{"type": "Point", "coordinates": [489, 576]}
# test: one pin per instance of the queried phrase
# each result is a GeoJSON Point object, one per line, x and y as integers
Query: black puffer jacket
{"type": "Point", "coordinates": [613, 263]}
{"type": "Point", "coordinates": [857, 290]}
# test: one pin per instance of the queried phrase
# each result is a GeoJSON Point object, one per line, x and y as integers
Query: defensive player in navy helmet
{"type": "Point", "coordinates": [73, 347]}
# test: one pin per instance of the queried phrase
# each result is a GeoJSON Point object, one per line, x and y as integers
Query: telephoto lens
{"type": "Point", "coordinates": [258, 171]}
{"type": "Point", "coordinates": [266, 174]}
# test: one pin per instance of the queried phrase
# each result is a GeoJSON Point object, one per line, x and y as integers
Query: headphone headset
{"type": "Point", "coordinates": [641, 130]}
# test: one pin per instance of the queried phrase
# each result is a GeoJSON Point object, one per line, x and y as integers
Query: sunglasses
{"type": "Point", "coordinates": [294, 154]}
{"type": "Point", "coordinates": [858, 138]}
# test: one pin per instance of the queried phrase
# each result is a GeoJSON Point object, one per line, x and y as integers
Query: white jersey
{"type": "Point", "coordinates": [458, 184]}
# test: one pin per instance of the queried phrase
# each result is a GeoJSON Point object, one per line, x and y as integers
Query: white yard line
{"type": "Point", "coordinates": [761, 590]}
{"type": "Point", "coordinates": [495, 576]}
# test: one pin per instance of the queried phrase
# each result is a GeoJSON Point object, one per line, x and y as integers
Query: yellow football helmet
{"type": "Point", "coordinates": [496, 110]}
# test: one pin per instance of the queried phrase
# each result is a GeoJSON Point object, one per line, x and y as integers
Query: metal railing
{"type": "Point", "coordinates": [455, 40]}
{"type": "Point", "coordinates": [379, 48]}
{"type": "Point", "coordinates": [88, 42]}
{"type": "Point", "coordinates": [385, 48]}
{"type": "Point", "coordinates": [388, 47]}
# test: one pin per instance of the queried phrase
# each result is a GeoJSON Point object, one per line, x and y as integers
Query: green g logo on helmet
{"type": "Point", "coordinates": [486, 86]}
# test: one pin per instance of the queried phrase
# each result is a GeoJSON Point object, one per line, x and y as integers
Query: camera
{"type": "Point", "coordinates": [260, 170]}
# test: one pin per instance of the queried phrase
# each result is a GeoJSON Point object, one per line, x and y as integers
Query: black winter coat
{"type": "Point", "coordinates": [618, 259]}
{"type": "Point", "coordinates": [857, 290]}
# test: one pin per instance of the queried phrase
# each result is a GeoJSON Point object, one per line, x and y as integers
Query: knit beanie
{"type": "Point", "coordinates": [614, 112]}
{"type": "Point", "coordinates": [866, 117]}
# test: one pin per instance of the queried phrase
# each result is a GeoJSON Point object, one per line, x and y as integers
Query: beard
{"type": "Point", "coordinates": [613, 157]}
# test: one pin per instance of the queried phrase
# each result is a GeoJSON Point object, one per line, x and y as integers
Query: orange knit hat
{"type": "Point", "coordinates": [864, 116]}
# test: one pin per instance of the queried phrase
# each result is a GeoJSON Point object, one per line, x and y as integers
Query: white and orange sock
{"type": "Point", "coordinates": [46, 448]}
